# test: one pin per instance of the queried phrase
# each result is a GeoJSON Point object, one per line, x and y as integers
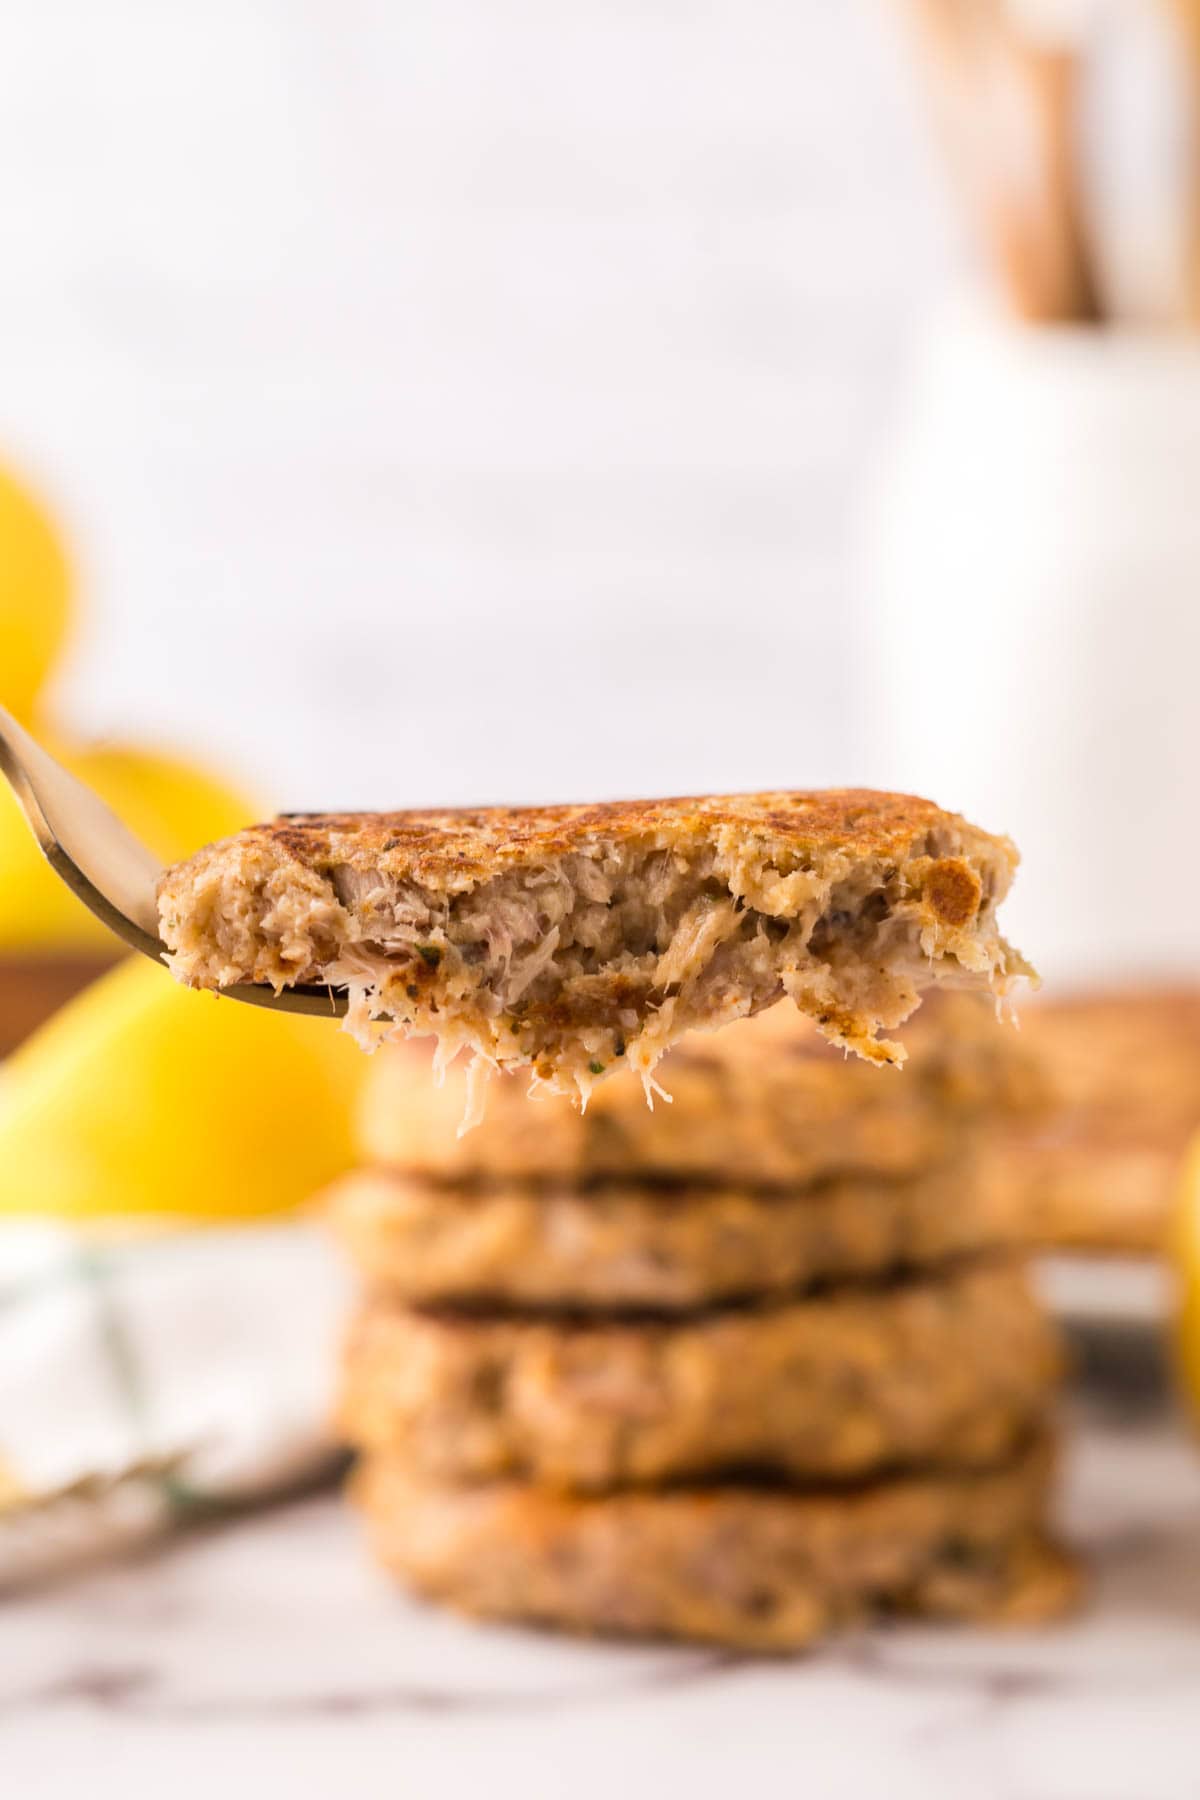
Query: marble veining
{"type": "Point", "coordinates": [267, 1650]}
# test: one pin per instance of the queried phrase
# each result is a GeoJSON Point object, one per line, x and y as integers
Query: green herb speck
{"type": "Point", "coordinates": [430, 953]}
{"type": "Point", "coordinates": [597, 1068]}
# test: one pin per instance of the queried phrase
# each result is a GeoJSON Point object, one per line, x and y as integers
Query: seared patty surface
{"type": "Point", "coordinates": [752, 1567]}
{"type": "Point", "coordinates": [949, 1369]}
{"type": "Point", "coordinates": [765, 1102]}
{"type": "Point", "coordinates": [622, 1246]}
{"type": "Point", "coordinates": [1099, 1168]}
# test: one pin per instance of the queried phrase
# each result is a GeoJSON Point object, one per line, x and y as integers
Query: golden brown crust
{"type": "Point", "coordinates": [623, 1245]}
{"type": "Point", "coordinates": [459, 847]}
{"type": "Point", "coordinates": [764, 1102]}
{"type": "Point", "coordinates": [1099, 1168]}
{"type": "Point", "coordinates": [754, 1568]}
{"type": "Point", "coordinates": [949, 1370]}
{"type": "Point", "coordinates": [1082, 1198]}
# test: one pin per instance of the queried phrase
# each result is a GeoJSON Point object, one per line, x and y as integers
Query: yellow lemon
{"type": "Point", "coordinates": [173, 808]}
{"type": "Point", "coordinates": [1185, 1251]}
{"type": "Point", "coordinates": [142, 1097]}
{"type": "Point", "coordinates": [34, 597]}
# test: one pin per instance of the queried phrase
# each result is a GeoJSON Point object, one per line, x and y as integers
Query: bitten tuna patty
{"type": "Point", "coordinates": [949, 1370]}
{"type": "Point", "coordinates": [576, 940]}
{"type": "Point", "coordinates": [621, 1246]}
{"type": "Point", "coordinates": [756, 1568]}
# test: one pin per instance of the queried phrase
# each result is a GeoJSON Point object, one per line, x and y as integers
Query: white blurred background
{"type": "Point", "coordinates": [464, 399]}
{"type": "Point", "coordinates": [483, 399]}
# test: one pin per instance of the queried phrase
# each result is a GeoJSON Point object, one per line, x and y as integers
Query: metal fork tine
{"type": "Point", "coordinates": [106, 867]}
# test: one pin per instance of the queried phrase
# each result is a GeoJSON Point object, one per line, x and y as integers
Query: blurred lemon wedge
{"type": "Point", "coordinates": [170, 805]}
{"type": "Point", "coordinates": [1185, 1255]}
{"type": "Point", "coordinates": [141, 1097]}
{"type": "Point", "coordinates": [34, 597]}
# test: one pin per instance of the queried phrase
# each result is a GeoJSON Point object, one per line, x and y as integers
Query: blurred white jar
{"type": "Point", "coordinates": [1033, 620]}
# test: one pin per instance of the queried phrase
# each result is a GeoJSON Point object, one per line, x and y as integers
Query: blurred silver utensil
{"type": "Point", "coordinates": [105, 866]}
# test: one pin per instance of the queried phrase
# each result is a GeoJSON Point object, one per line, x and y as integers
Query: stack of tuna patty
{"type": "Point", "coordinates": [735, 1370]}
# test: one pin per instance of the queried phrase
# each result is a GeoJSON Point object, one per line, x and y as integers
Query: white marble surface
{"type": "Point", "coordinates": [266, 1656]}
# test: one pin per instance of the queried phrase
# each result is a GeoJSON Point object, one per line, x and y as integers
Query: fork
{"type": "Point", "coordinates": [106, 867]}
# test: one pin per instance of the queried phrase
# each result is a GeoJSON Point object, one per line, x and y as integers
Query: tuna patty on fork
{"type": "Point", "coordinates": [949, 1369]}
{"type": "Point", "coordinates": [754, 1567]}
{"type": "Point", "coordinates": [575, 940]}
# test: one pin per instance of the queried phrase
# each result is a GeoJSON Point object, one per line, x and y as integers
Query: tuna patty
{"type": "Point", "coordinates": [573, 941]}
{"type": "Point", "coordinates": [755, 1568]}
{"type": "Point", "coordinates": [949, 1370]}
{"type": "Point", "coordinates": [621, 1246]}
{"type": "Point", "coordinates": [765, 1102]}
{"type": "Point", "coordinates": [1100, 1168]}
